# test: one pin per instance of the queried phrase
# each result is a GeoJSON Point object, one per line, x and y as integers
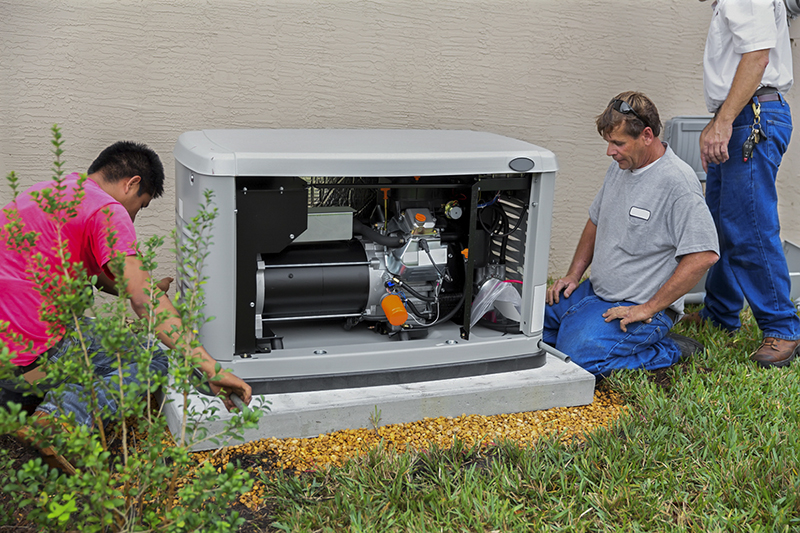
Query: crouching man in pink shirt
{"type": "Point", "coordinates": [123, 179]}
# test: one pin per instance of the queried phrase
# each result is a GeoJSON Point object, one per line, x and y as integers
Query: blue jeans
{"type": "Point", "coordinates": [743, 201]}
{"type": "Point", "coordinates": [106, 370]}
{"type": "Point", "coordinates": [576, 326]}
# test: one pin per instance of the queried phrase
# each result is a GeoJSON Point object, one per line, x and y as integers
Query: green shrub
{"type": "Point", "coordinates": [127, 479]}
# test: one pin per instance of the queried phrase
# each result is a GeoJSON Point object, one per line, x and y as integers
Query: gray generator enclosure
{"type": "Point", "coordinates": [354, 258]}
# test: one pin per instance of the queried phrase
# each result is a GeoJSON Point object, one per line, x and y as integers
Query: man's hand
{"type": "Point", "coordinates": [714, 142]}
{"type": "Point", "coordinates": [715, 137]}
{"type": "Point", "coordinates": [567, 284]}
{"type": "Point", "coordinates": [228, 384]}
{"type": "Point", "coordinates": [628, 314]}
{"type": "Point", "coordinates": [164, 284]}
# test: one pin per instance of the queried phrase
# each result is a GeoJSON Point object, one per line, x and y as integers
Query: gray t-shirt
{"type": "Point", "coordinates": [646, 221]}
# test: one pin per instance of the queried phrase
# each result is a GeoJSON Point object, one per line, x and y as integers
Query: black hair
{"type": "Point", "coordinates": [125, 159]}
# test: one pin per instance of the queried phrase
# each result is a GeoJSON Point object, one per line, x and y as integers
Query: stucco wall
{"type": "Point", "coordinates": [538, 70]}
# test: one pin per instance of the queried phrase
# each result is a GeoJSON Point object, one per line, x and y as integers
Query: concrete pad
{"type": "Point", "coordinates": [309, 414]}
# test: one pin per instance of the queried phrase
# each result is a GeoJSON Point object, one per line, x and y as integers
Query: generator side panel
{"type": "Point", "coordinates": [219, 265]}
{"type": "Point", "coordinates": [537, 253]}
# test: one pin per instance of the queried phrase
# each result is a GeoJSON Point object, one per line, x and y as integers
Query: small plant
{"type": "Point", "coordinates": [375, 419]}
{"type": "Point", "coordinates": [128, 478]}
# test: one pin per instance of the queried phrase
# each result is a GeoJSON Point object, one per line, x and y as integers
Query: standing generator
{"type": "Point", "coordinates": [358, 258]}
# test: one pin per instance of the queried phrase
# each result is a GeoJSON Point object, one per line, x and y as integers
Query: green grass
{"type": "Point", "coordinates": [712, 444]}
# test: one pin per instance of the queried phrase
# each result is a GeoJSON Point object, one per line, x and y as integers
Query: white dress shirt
{"type": "Point", "coordinates": [738, 27]}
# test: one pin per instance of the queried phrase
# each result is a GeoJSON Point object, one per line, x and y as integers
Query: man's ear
{"type": "Point", "coordinates": [133, 184]}
{"type": "Point", "coordinates": [647, 135]}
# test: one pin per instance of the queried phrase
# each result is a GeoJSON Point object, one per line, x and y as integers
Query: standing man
{"type": "Point", "coordinates": [649, 239]}
{"type": "Point", "coordinates": [747, 70]}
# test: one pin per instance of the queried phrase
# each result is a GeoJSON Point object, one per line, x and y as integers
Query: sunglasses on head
{"type": "Point", "coordinates": [625, 108]}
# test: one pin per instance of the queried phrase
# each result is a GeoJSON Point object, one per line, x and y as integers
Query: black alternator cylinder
{"type": "Point", "coordinates": [313, 280]}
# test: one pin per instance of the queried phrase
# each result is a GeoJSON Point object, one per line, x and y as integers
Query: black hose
{"type": "Point", "coordinates": [498, 223]}
{"type": "Point", "coordinates": [400, 283]}
{"type": "Point", "coordinates": [368, 233]}
{"type": "Point", "coordinates": [506, 234]}
{"type": "Point", "coordinates": [416, 311]}
{"type": "Point", "coordinates": [453, 311]}
{"type": "Point", "coordinates": [442, 319]}
{"type": "Point", "coordinates": [504, 240]}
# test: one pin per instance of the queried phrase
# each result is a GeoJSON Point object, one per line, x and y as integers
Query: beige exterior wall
{"type": "Point", "coordinates": [538, 70]}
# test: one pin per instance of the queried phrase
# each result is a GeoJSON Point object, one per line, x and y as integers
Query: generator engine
{"type": "Point", "coordinates": [392, 272]}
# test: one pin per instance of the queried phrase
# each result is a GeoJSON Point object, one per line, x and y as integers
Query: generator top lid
{"type": "Point", "coordinates": [331, 152]}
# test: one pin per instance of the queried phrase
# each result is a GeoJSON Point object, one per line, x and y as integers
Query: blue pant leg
{"type": "Point", "coordinates": [553, 313]}
{"type": "Point", "coordinates": [601, 347]}
{"type": "Point", "coordinates": [106, 369]}
{"type": "Point", "coordinates": [751, 247]}
{"type": "Point", "coordinates": [724, 299]}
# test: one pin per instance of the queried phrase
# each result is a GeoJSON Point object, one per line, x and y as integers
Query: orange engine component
{"type": "Point", "coordinates": [395, 311]}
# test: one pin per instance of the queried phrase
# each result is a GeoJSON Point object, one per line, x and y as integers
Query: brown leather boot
{"type": "Point", "coordinates": [692, 318]}
{"type": "Point", "coordinates": [775, 352]}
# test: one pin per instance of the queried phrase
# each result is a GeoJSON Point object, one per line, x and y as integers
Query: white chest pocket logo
{"type": "Point", "coordinates": [638, 212]}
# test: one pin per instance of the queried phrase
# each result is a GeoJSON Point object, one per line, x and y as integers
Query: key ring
{"type": "Point", "coordinates": [756, 111]}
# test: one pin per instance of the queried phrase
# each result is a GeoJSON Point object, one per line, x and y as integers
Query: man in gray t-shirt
{"type": "Point", "coordinates": [649, 239]}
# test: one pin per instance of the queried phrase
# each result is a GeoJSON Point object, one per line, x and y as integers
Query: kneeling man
{"type": "Point", "coordinates": [649, 239]}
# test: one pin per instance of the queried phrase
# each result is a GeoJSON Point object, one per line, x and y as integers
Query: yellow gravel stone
{"type": "Point", "coordinates": [334, 448]}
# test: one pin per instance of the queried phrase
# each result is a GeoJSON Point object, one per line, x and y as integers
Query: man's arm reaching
{"type": "Point", "coordinates": [688, 273]}
{"type": "Point", "coordinates": [105, 284]}
{"type": "Point", "coordinates": [138, 284]}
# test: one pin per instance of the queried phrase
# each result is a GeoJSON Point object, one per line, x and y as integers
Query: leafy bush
{"type": "Point", "coordinates": [128, 478]}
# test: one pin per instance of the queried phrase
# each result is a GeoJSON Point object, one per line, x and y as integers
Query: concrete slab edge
{"type": "Point", "coordinates": [309, 414]}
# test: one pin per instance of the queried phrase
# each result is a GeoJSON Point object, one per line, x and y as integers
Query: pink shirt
{"type": "Point", "coordinates": [85, 235]}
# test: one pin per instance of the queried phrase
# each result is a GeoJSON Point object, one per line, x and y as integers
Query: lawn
{"type": "Point", "coordinates": [712, 444]}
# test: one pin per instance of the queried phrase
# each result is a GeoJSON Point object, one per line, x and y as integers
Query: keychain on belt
{"type": "Point", "coordinates": [755, 134]}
